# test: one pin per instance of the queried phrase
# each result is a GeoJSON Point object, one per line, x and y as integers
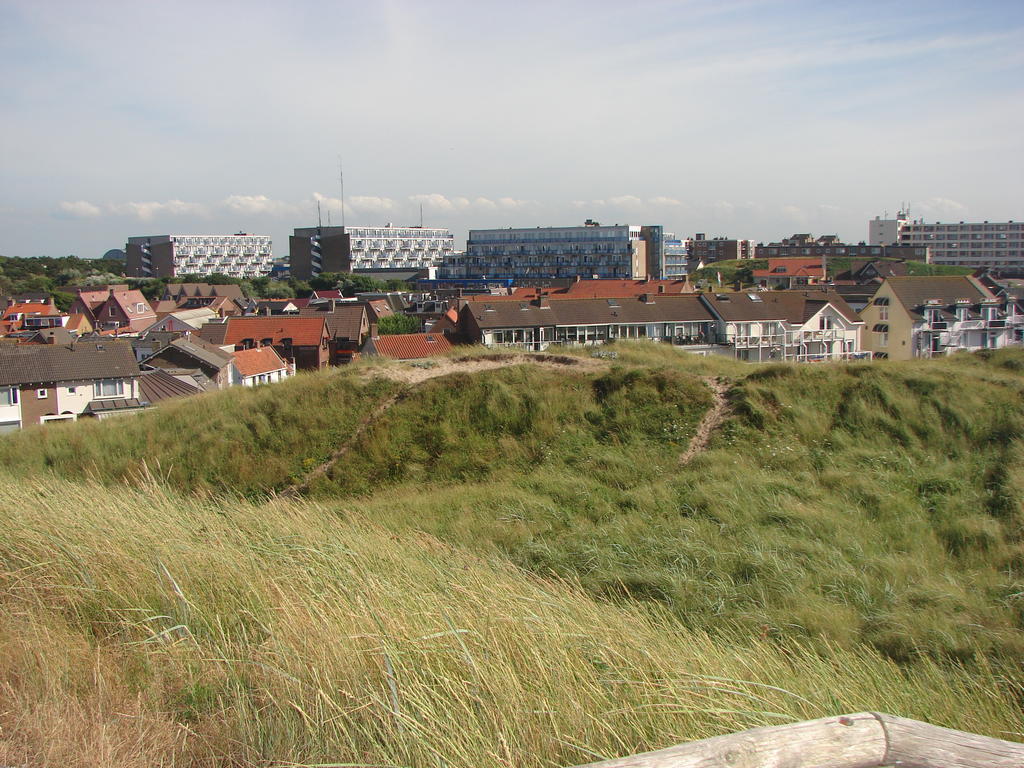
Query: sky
{"type": "Point", "coordinates": [740, 118]}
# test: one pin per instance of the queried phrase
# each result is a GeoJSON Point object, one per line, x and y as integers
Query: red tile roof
{"type": "Point", "coordinates": [253, 362]}
{"type": "Point", "coordinates": [792, 268]}
{"type": "Point", "coordinates": [94, 298]}
{"type": "Point", "coordinates": [30, 308]}
{"type": "Point", "coordinates": [411, 346]}
{"type": "Point", "coordinates": [303, 331]}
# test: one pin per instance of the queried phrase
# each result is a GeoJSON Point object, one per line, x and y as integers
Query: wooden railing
{"type": "Point", "coordinates": [862, 740]}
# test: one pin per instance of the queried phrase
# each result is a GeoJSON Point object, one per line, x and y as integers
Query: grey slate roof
{"type": "Point", "coordinates": [203, 350]}
{"type": "Point", "coordinates": [662, 308]}
{"type": "Point", "coordinates": [47, 363]}
{"type": "Point", "coordinates": [796, 307]}
{"type": "Point", "coordinates": [120, 404]}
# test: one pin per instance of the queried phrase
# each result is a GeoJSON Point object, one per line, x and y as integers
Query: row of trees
{"type": "Point", "coordinates": [59, 276]}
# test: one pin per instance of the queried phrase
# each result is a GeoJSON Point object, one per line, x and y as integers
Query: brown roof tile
{"type": "Point", "coordinates": [344, 320]}
{"type": "Point", "coordinates": [157, 385]}
{"type": "Point", "coordinates": [659, 308]}
{"type": "Point", "coordinates": [411, 346]}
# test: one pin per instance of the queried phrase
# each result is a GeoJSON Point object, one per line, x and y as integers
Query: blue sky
{"type": "Point", "coordinates": [739, 117]}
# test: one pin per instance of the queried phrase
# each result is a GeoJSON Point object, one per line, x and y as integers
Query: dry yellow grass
{"type": "Point", "coordinates": [140, 628]}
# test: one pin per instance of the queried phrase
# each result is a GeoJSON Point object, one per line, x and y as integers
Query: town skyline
{"type": "Point", "coordinates": [743, 119]}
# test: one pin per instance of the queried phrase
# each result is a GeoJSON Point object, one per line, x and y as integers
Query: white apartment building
{"type": "Point", "coordinates": [990, 244]}
{"type": "Point", "coordinates": [313, 250]}
{"type": "Point", "coordinates": [620, 251]}
{"type": "Point", "coordinates": [886, 231]}
{"type": "Point", "coordinates": [241, 255]}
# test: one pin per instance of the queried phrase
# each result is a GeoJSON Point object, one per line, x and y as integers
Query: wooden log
{"type": "Point", "coordinates": [861, 740]}
{"type": "Point", "coordinates": [853, 741]}
{"type": "Point", "coordinates": [913, 744]}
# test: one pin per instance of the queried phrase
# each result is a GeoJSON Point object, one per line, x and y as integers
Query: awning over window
{"type": "Point", "coordinates": [882, 301]}
{"type": "Point", "coordinates": [881, 328]}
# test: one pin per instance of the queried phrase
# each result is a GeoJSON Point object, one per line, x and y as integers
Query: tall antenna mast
{"type": "Point", "coordinates": [341, 180]}
{"type": "Point", "coordinates": [319, 220]}
{"type": "Point", "coordinates": [421, 215]}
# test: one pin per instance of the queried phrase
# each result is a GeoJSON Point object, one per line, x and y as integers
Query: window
{"type": "Point", "coordinates": [8, 396]}
{"type": "Point", "coordinates": [883, 313]}
{"type": "Point", "coordinates": [108, 388]}
{"type": "Point", "coordinates": [41, 394]}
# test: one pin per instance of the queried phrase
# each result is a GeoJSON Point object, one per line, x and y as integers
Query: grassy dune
{"type": "Point", "coordinates": [144, 628]}
{"type": "Point", "coordinates": [542, 581]}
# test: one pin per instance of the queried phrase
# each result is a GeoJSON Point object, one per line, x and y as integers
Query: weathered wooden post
{"type": "Point", "coordinates": [861, 740]}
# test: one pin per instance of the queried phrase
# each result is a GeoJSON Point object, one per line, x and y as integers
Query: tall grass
{"type": "Point", "coordinates": [145, 628]}
{"type": "Point", "coordinates": [245, 440]}
{"type": "Point", "coordinates": [841, 505]}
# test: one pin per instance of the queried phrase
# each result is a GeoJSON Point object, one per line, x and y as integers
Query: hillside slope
{"type": "Point", "coordinates": [876, 504]}
{"type": "Point", "coordinates": [142, 628]}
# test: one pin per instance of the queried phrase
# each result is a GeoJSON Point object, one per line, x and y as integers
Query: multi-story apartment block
{"type": "Point", "coordinates": [676, 257]}
{"type": "Point", "coordinates": [985, 244]}
{"type": "Point", "coordinates": [238, 255]}
{"type": "Point", "coordinates": [886, 231]}
{"type": "Point", "coordinates": [313, 250]}
{"type": "Point", "coordinates": [719, 249]}
{"type": "Point", "coordinates": [805, 245]}
{"type": "Point", "coordinates": [622, 251]}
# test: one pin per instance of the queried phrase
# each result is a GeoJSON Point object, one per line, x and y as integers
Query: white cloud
{"type": "Point", "coordinates": [626, 201]}
{"type": "Point", "coordinates": [79, 209]}
{"type": "Point", "coordinates": [794, 213]}
{"type": "Point", "coordinates": [438, 202]}
{"type": "Point", "coordinates": [662, 200]}
{"type": "Point", "coordinates": [435, 201]}
{"type": "Point", "coordinates": [509, 202]}
{"type": "Point", "coordinates": [941, 208]}
{"type": "Point", "coordinates": [147, 211]}
{"type": "Point", "coordinates": [258, 205]}
{"type": "Point", "coordinates": [369, 203]}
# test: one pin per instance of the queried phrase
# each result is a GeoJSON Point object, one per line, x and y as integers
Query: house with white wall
{"type": "Point", "coordinates": [41, 383]}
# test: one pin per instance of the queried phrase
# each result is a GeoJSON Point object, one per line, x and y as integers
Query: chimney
{"type": "Point", "coordinates": [541, 300]}
{"type": "Point", "coordinates": [647, 298]}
